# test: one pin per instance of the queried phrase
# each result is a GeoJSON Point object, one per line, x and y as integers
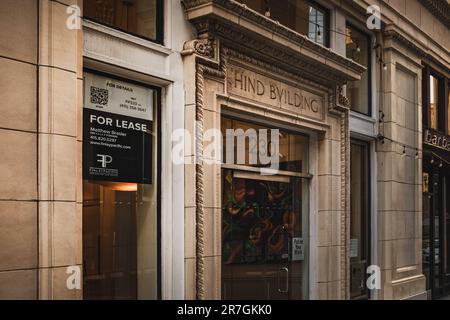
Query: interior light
{"type": "Point", "coordinates": [120, 186]}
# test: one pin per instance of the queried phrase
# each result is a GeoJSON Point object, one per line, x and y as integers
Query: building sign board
{"type": "Point", "coordinates": [117, 130]}
{"type": "Point", "coordinates": [274, 93]}
{"type": "Point", "coordinates": [436, 139]}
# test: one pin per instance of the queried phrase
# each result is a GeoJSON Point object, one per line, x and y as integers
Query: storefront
{"type": "Point", "coordinates": [436, 184]}
{"type": "Point", "coordinates": [265, 222]}
{"type": "Point", "coordinates": [120, 188]}
{"type": "Point", "coordinates": [277, 227]}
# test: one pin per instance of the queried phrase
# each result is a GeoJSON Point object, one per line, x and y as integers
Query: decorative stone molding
{"type": "Point", "coordinates": [204, 67]}
{"type": "Point", "coordinates": [342, 100]}
{"type": "Point", "coordinates": [440, 9]}
{"type": "Point", "coordinates": [269, 39]}
{"type": "Point", "coordinates": [202, 47]}
{"type": "Point", "coordinates": [392, 33]}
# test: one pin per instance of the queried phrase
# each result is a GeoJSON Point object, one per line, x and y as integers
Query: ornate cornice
{"type": "Point", "coordinates": [440, 9]}
{"type": "Point", "coordinates": [269, 39]}
{"type": "Point", "coordinates": [391, 33]}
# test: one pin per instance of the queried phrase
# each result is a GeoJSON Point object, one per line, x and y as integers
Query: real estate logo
{"type": "Point", "coordinates": [104, 159]}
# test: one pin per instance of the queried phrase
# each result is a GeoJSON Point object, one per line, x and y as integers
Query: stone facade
{"type": "Point", "coordinates": [206, 43]}
{"type": "Point", "coordinates": [41, 159]}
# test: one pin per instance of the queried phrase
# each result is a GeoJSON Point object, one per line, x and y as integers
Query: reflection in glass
{"type": "Point", "coordinates": [293, 148]}
{"type": "Point", "coordinates": [359, 220]}
{"type": "Point", "coordinates": [357, 47]}
{"type": "Point", "coordinates": [426, 238]}
{"type": "Point", "coordinates": [134, 16]}
{"type": "Point", "coordinates": [305, 17]}
{"type": "Point", "coordinates": [433, 106]}
{"type": "Point", "coordinates": [119, 241]}
{"type": "Point", "coordinates": [262, 219]}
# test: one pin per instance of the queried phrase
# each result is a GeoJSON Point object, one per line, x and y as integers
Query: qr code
{"type": "Point", "coordinates": [99, 96]}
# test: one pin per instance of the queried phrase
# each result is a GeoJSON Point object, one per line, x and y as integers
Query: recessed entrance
{"type": "Point", "coordinates": [265, 227]}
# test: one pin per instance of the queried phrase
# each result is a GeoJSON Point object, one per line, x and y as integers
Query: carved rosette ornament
{"type": "Point", "coordinates": [202, 47]}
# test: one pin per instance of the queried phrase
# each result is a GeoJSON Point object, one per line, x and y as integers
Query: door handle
{"type": "Point", "coordinates": [286, 290]}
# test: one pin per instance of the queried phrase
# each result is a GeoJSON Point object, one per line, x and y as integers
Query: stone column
{"type": "Point", "coordinates": [59, 149]}
{"type": "Point", "coordinates": [400, 177]}
{"type": "Point", "coordinates": [40, 139]}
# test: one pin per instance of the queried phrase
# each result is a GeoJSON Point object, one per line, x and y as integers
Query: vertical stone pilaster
{"type": "Point", "coordinates": [59, 150]}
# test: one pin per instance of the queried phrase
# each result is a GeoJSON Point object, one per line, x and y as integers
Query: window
{"type": "Point", "coordinates": [359, 219]}
{"type": "Point", "coordinates": [436, 96]}
{"type": "Point", "coordinates": [143, 18]}
{"type": "Point", "coordinates": [265, 222]}
{"type": "Point", "coordinates": [120, 189]}
{"type": "Point", "coordinates": [434, 103]}
{"type": "Point", "coordinates": [358, 49]}
{"type": "Point", "coordinates": [305, 17]}
{"type": "Point", "coordinates": [448, 107]}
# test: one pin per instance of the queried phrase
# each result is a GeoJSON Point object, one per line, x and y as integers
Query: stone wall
{"type": "Point", "coordinates": [40, 139]}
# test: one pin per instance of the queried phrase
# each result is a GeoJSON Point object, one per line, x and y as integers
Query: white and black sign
{"type": "Point", "coordinates": [117, 143]}
{"type": "Point", "coordinates": [298, 253]}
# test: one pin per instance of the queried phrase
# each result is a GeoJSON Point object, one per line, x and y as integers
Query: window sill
{"type": "Point", "coordinates": [362, 116]}
{"type": "Point", "coordinates": [147, 44]}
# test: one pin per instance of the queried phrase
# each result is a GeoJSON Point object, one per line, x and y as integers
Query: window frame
{"type": "Point", "coordinates": [368, 36]}
{"type": "Point", "coordinates": [158, 178]}
{"type": "Point", "coordinates": [326, 24]}
{"type": "Point", "coordinates": [443, 103]}
{"type": "Point", "coordinates": [160, 24]}
{"type": "Point", "coordinates": [368, 217]}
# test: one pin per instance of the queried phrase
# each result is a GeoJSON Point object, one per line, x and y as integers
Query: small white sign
{"type": "Point", "coordinates": [298, 253]}
{"type": "Point", "coordinates": [354, 248]}
{"type": "Point", "coordinates": [118, 97]}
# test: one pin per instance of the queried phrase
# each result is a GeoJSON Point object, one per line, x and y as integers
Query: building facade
{"type": "Point", "coordinates": [122, 176]}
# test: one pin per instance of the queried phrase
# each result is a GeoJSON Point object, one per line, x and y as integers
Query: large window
{"type": "Point", "coordinates": [433, 111]}
{"type": "Point", "coordinates": [305, 17]}
{"type": "Point", "coordinates": [120, 189]}
{"type": "Point", "coordinates": [139, 17]}
{"type": "Point", "coordinates": [358, 49]}
{"type": "Point", "coordinates": [359, 219]}
{"type": "Point", "coordinates": [436, 101]}
{"type": "Point", "coordinates": [448, 107]}
{"type": "Point", "coordinates": [265, 226]}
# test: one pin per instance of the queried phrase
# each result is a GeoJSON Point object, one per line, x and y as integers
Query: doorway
{"type": "Point", "coordinates": [436, 227]}
{"type": "Point", "coordinates": [265, 224]}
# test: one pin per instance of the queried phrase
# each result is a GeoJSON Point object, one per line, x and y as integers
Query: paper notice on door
{"type": "Point", "coordinates": [354, 248]}
{"type": "Point", "coordinates": [298, 252]}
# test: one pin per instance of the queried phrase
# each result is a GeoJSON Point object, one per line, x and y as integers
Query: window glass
{"type": "Point", "coordinates": [448, 108]}
{"type": "Point", "coordinates": [265, 226]}
{"type": "Point", "coordinates": [357, 48]}
{"type": "Point", "coordinates": [305, 17]}
{"type": "Point", "coordinates": [293, 149]}
{"type": "Point", "coordinates": [120, 220]}
{"type": "Point", "coordinates": [139, 17]}
{"type": "Point", "coordinates": [359, 220]}
{"type": "Point", "coordinates": [434, 103]}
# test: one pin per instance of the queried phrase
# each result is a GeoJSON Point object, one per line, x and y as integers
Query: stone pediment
{"type": "Point", "coordinates": [237, 26]}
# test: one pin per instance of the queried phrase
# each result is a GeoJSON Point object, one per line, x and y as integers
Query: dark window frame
{"type": "Point", "coordinates": [326, 23]}
{"type": "Point", "coordinates": [369, 69]}
{"type": "Point", "coordinates": [160, 23]}
{"type": "Point", "coordinates": [158, 91]}
{"type": "Point", "coordinates": [443, 92]}
{"type": "Point", "coordinates": [368, 216]}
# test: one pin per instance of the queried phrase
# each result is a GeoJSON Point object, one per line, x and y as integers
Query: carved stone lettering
{"type": "Point", "coordinates": [274, 93]}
